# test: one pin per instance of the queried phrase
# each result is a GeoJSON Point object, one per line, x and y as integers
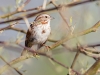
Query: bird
{"type": "Point", "coordinates": [38, 32]}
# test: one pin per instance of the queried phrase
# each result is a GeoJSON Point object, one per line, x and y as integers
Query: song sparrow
{"type": "Point", "coordinates": [38, 32]}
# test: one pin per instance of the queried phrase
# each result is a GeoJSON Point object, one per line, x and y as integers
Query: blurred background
{"type": "Point", "coordinates": [81, 17]}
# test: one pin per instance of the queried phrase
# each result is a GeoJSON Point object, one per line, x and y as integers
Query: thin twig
{"type": "Point", "coordinates": [92, 50]}
{"type": "Point", "coordinates": [68, 27]}
{"type": "Point", "coordinates": [18, 29]}
{"type": "Point", "coordinates": [75, 58]}
{"type": "Point", "coordinates": [11, 66]}
{"type": "Point", "coordinates": [93, 69]}
{"type": "Point", "coordinates": [90, 54]}
{"type": "Point", "coordinates": [23, 5]}
{"type": "Point", "coordinates": [1, 29]}
{"type": "Point", "coordinates": [13, 28]}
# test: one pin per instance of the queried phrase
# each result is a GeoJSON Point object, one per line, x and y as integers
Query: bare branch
{"type": "Point", "coordinates": [46, 10]}
{"type": "Point", "coordinates": [68, 27]}
{"type": "Point", "coordinates": [13, 28]}
{"type": "Point", "coordinates": [22, 6]}
{"type": "Point", "coordinates": [26, 57]}
{"type": "Point", "coordinates": [92, 29]}
{"type": "Point", "coordinates": [11, 66]}
{"type": "Point", "coordinates": [93, 69]}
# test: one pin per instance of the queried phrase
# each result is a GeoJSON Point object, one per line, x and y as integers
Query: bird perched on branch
{"type": "Point", "coordinates": [38, 32]}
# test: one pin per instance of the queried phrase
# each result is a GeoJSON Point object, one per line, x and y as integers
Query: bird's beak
{"type": "Point", "coordinates": [52, 18]}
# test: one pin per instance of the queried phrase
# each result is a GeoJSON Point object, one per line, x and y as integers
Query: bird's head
{"type": "Point", "coordinates": [43, 18]}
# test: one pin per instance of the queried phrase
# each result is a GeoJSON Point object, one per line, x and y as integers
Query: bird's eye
{"type": "Point", "coordinates": [46, 17]}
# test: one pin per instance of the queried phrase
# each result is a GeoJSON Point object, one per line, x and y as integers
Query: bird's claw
{"type": "Point", "coordinates": [47, 47]}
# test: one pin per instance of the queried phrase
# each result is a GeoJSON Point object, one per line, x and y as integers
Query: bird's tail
{"type": "Point", "coordinates": [25, 52]}
{"type": "Point", "coordinates": [34, 47]}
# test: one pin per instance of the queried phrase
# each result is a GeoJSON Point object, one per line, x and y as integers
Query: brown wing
{"type": "Point", "coordinates": [29, 39]}
{"type": "Point", "coordinates": [28, 42]}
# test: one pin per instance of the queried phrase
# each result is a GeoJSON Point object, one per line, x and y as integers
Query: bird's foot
{"type": "Point", "coordinates": [47, 47]}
